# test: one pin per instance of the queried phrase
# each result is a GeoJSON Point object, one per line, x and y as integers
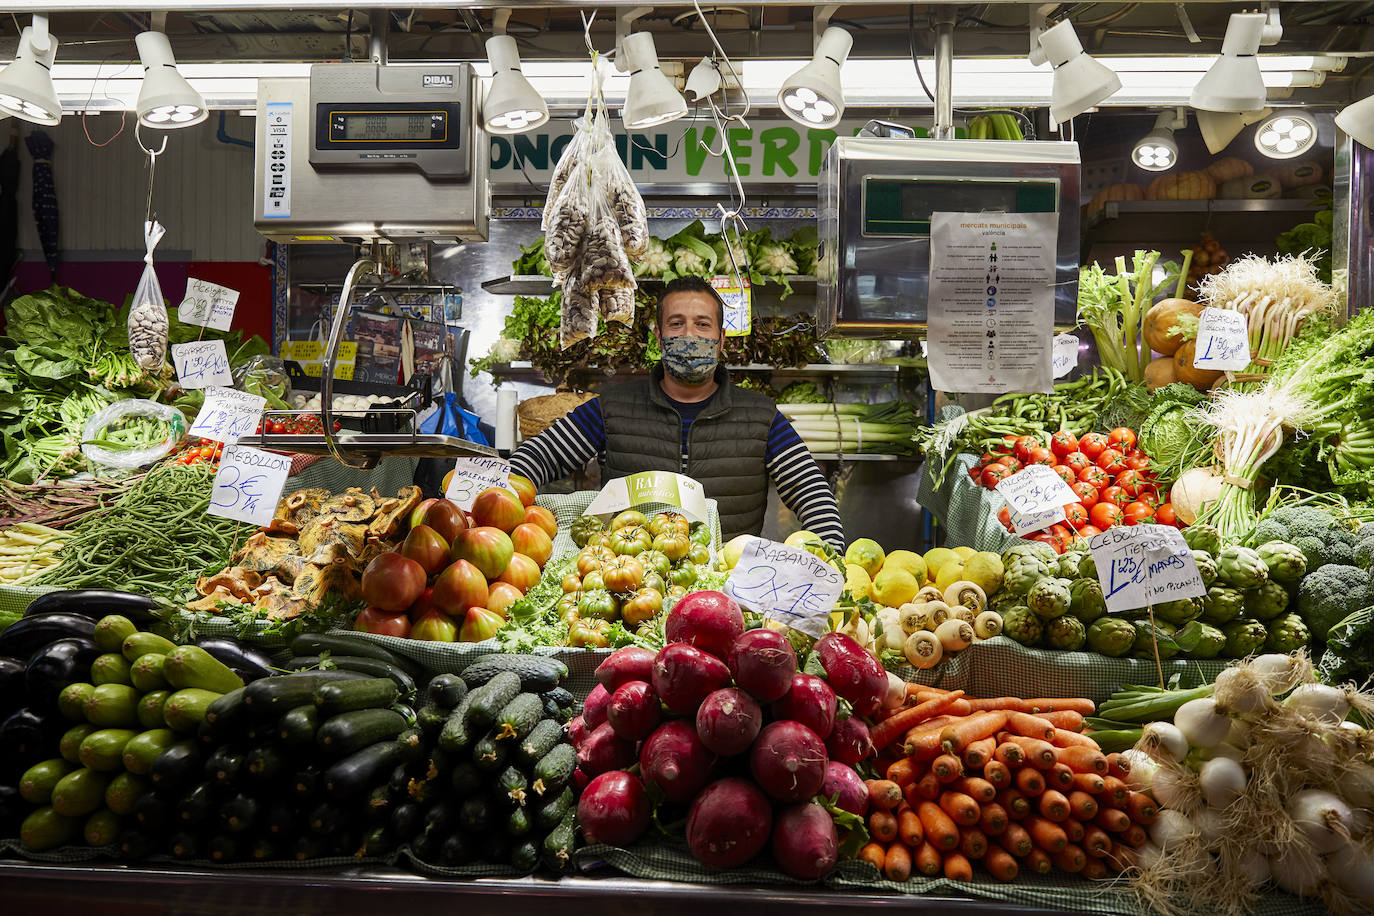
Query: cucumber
{"type": "Point", "coordinates": [490, 754]}
{"type": "Point", "coordinates": [279, 820]}
{"type": "Point", "coordinates": [380, 805]}
{"type": "Point", "coordinates": [407, 819]}
{"type": "Point", "coordinates": [431, 718]}
{"type": "Point", "coordinates": [36, 785]}
{"type": "Point", "coordinates": [539, 742]}
{"type": "Point", "coordinates": [224, 848]}
{"type": "Point", "coordinates": [307, 782]}
{"type": "Point", "coordinates": [447, 690]}
{"type": "Point", "coordinates": [519, 717]}
{"type": "Point", "coordinates": [458, 849]}
{"type": "Point", "coordinates": [185, 709]}
{"type": "Point", "coordinates": [112, 706]}
{"type": "Point", "coordinates": [265, 765]}
{"type": "Point", "coordinates": [146, 673]}
{"type": "Point", "coordinates": [489, 699]}
{"type": "Point", "coordinates": [185, 845]}
{"type": "Point", "coordinates": [455, 736]}
{"type": "Point", "coordinates": [123, 793]}
{"type": "Point", "coordinates": [298, 726]}
{"type": "Point", "coordinates": [239, 813]}
{"type": "Point", "coordinates": [411, 742]}
{"type": "Point", "coordinates": [524, 857]}
{"type": "Point", "coordinates": [537, 673]}
{"type": "Point", "coordinates": [425, 790]}
{"type": "Point", "coordinates": [549, 816]}
{"type": "Point", "coordinates": [71, 702]}
{"type": "Point", "coordinates": [70, 746]}
{"type": "Point", "coordinates": [370, 693]}
{"type": "Point", "coordinates": [139, 643]}
{"type": "Point", "coordinates": [192, 666]}
{"type": "Point", "coordinates": [46, 829]}
{"type": "Point", "coordinates": [111, 668]}
{"type": "Point", "coordinates": [377, 842]}
{"type": "Point", "coordinates": [361, 769]}
{"type": "Point", "coordinates": [111, 631]}
{"type": "Point", "coordinates": [197, 805]}
{"type": "Point", "coordinates": [275, 695]}
{"type": "Point", "coordinates": [149, 710]}
{"type": "Point", "coordinates": [176, 766]}
{"type": "Point", "coordinates": [351, 731]}
{"type": "Point", "coordinates": [466, 778]}
{"type": "Point", "coordinates": [554, 769]}
{"type": "Point", "coordinates": [144, 748]}
{"type": "Point", "coordinates": [79, 793]}
{"type": "Point", "coordinates": [513, 784]}
{"type": "Point", "coordinates": [315, 643]}
{"type": "Point", "coordinates": [224, 765]}
{"type": "Point", "coordinates": [562, 698]}
{"type": "Point", "coordinates": [550, 708]}
{"type": "Point", "coordinates": [325, 820]}
{"type": "Point", "coordinates": [475, 815]}
{"type": "Point", "coordinates": [558, 847]}
{"type": "Point", "coordinates": [103, 750]}
{"type": "Point", "coordinates": [227, 714]}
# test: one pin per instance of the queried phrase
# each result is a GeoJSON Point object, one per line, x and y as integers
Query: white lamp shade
{"type": "Point", "coordinates": [1357, 121]}
{"type": "Point", "coordinates": [1080, 82]}
{"type": "Point", "coordinates": [1219, 128]}
{"type": "Point", "coordinates": [814, 96]}
{"type": "Point", "coordinates": [650, 99]}
{"type": "Point", "coordinates": [512, 105]}
{"type": "Point", "coordinates": [1156, 151]}
{"type": "Point", "coordinates": [1286, 135]}
{"type": "Point", "coordinates": [26, 87]}
{"type": "Point", "coordinates": [1234, 82]}
{"type": "Point", "coordinates": [165, 101]}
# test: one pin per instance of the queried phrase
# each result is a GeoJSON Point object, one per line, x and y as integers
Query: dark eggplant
{"type": "Point", "coordinates": [13, 809]}
{"type": "Point", "coordinates": [55, 666]}
{"type": "Point", "coordinates": [27, 737]}
{"type": "Point", "coordinates": [94, 603]}
{"type": "Point", "coordinates": [11, 684]}
{"type": "Point", "coordinates": [27, 635]}
{"type": "Point", "coordinates": [248, 663]}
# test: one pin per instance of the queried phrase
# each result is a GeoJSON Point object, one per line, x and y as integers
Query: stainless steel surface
{"type": "Point", "coordinates": [535, 285]}
{"type": "Point", "coordinates": [944, 74]}
{"type": "Point", "coordinates": [1349, 214]}
{"type": "Point", "coordinates": [373, 446]}
{"type": "Point", "coordinates": [364, 267]}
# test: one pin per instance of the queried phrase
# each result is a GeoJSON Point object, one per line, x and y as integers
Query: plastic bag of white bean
{"type": "Point", "coordinates": [148, 323]}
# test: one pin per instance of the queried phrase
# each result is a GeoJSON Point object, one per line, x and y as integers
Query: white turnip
{"type": "Point", "coordinates": [853, 672]}
{"type": "Point", "coordinates": [810, 701]}
{"type": "Point", "coordinates": [633, 711]}
{"type": "Point", "coordinates": [614, 809]}
{"type": "Point", "coordinates": [628, 664]}
{"type": "Point", "coordinates": [763, 662]}
{"type": "Point", "coordinates": [709, 620]}
{"type": "Point", "coordinates": [684, 675]}
{"type": "Point", "coordinates": [788, 761]}
{"type": "Point", "coordinates": [594, 707]}
{"type": "Point", "coordinates": [848, 741]}
{"type": "Point", "coordinates": [804, 841]}
{"type": "Point", "coordinates": [728, 721]}
{"type": "Point", "coordinates": [674, 759]}
{"type": "Point", "coordinates": [847, 787]}
{"type": "Point", "coordinates": [729, 823]}
{"type": "Point", "coordinates": [604, 750]}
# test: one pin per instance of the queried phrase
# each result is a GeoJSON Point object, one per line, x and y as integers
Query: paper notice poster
{"type": "Point", "coordinates": [991, 311]}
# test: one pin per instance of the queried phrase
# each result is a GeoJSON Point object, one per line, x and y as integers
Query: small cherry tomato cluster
{"type": "Point", "coordinates": [302, 424]}
{"type": "Point", "coordinates": [1110, 476]}
{"type": "Point", "coordinates": [201, 451]}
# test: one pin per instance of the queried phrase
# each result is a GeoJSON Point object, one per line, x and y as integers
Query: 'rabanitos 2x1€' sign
{"type": "Point", "coordinates": [786, 584]}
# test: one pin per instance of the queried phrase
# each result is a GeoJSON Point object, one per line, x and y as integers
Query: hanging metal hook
{"type": "Point", "coordinates": [152, 169]}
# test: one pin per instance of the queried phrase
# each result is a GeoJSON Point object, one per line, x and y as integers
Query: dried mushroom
{"type": "Point", "coordinates": [316, 582]}
{"type": "Point", "coordinates": [297, 509]}
{"type": "Point", "coordinates": [236, 580]}
{"type": "Point", "coordinates": [392, 511]}
{"type": "Point", "coordinates": [352, 505]}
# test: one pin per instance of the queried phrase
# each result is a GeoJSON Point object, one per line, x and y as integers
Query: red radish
{"type": "Point", "coordinates": [603, 751]}
{"type": "Point", "coordinates": [628, 664]}
{"type": "Point", "coordinates": [763, 662]}
{"type": "Point", "coordinates": [578, 731]}
{"type": "Point", "coordinates": [849, 742]}
{"type": "Point", "coordinates": [674, 759]}
{"type": "Point", "coordinates": [633, 711]}
{"type": "Point", "coordinates": [729, 823]}
{"type": "Point", "coordinates": [579, 780]}
{"type": "Point", "coordinates": [805, 844]}
{"type": "Point", "coordinates": [614, 809]}
{"type": "Point", "coordinates": [853, 672]}
{"type": "Point", "coordinates": [849, 786]}
{"type": "Point", "coordinates": [728, 721]}
{"type": "Point", "coordinates": [594, 707]}
{"type": "Point", "coordinates": [788, 761]}
{"type": "Point", "coordinates": [684, 675]}
{"type": "Point", "coordinates": [711, 621]}
{"type": "Point", "coordinates": [809, 701]}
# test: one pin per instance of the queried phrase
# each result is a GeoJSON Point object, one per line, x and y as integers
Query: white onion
{"type": "Point", "coordinates": [1169, 787]}
{"type": "Point", "coordinates": [1276, 671]}
{"type": "Point", "coordinates": [1241, 690]}
{"type": "Point", "coordinates": [1255, 867]}
{"type": "Point", "coordinates": [1320, 701]}
{"type": "Point", "coordinates": [1324, 819]}
{"type": "Point", "coordinates": [1352, 869]}
{"type": "Point", "coordinates": [1147, 855]}
{"type": "Point", "coordinates": [1239, 735]}
{"type": "Point", "coordinates": [1298, 870]}
{"type": "Point", "coordinates": [1164, 741]}
{"type": "Point", "coordinates": [1222, 781]}
{"type": "Point", "coordinates": [1210, 826]}
{"type": "Point", "coordinates": [1357, 785]}
{"type": "Point", "coordinates": [1229, 751]}
{"type": "Point", "coordinates": [1172, 829]}
{"type": "Point", "coordinates": [1141, 774]}
{"type": "Point", "coordinates": [1201, 724]}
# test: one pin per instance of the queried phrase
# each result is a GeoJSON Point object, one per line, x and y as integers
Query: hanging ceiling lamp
{"type": "Point", "coordinates": [165, 101]}
{"type": "Point", "coordinates": [26, 88]}
{"type": "Point", "coordinates": [813, 95]}
{"type": "Point", "coordinates": [1080, 81]}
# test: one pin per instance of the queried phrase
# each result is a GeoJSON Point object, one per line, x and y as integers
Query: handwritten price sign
{"type": "Point", "coordinates": [786, 584]}
{"type": "Point", "coordinates": [228, 415]}
{"type": "Point", "coordinates": [473, 475]}
{"type": "Point", "coordinates": [1142, 565]}
{"type": "Point", "coordinates": [1065, 354]}
{"type": "Point", "coordinates": [1037, 497]}
{"type": "Point", "coordinates": [248, 484]}
{"type": "Point", "coordinates": [208, 304]}
{"type": "Point", "coordinates": [1223, 341]}
{"type": "Point", "coordinates": [202, 364]}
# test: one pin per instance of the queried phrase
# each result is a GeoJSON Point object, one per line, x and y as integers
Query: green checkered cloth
{"type": "Point", "coordinates": [965, 509]}
{"type": "Point", "coordinates": [568, 507]}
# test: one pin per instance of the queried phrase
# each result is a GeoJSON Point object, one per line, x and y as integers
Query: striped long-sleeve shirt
{"type": "Point", "coordinates": [572, 441]}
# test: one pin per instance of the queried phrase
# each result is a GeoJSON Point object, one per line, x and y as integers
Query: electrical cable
{"type": "Point", "coordinates": [1029, 125]}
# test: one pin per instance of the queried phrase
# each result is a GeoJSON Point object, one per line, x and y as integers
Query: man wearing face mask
{"type": "Point", "coordinates": [688, 418]}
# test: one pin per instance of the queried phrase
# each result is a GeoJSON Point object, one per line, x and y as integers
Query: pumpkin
{"type": "Point", "coordinates": [1159, 372]}
{"type": "Point", "coordinates": [1161, 320]}
{"type": "Point", "coordinates": [1115, 192]}
{"type": "Point", "coordinates": [1254, 187]}
{"type": "Point", "coordinates": [1297, 174]}
{"type": "Point", "coordinates": [1182, 186]}
{"type": "Point", "coordinates": [1229, 168]}
{"type": "Point", "coordinates": [1184, 371]}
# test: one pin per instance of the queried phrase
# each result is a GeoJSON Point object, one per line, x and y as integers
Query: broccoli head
{"type": "Point", "coordinates": [1322, 538]}
{"type": "Point", "coordinates": [1328, 595]}
{"type": "Point", "coordinates": [1364, 546]}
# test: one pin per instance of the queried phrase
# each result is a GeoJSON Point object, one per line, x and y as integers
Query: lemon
{"type": "Point", "coordinates": [950, 573]}
{"type": "Point", "coordinates": [856, 579]}
{"type": "Point", "coordinates": [734, 548]}
{"type": "Point", "coordinates": [985, 570]}
{"type": "Point", "coordinates": [937, 557]}
{"type": "Point", "coordinates": [964, 552]}
{"type": "Point", "coordinates": [865, 552]}
{"type": "Point", "coordinates": [799, 538]}
{"type": "Point", "coordinates": [894, 586]}
{"type": "Point", "coordinates": [911, 562]}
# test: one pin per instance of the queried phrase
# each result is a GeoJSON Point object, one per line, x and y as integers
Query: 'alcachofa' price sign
{"type": "Point", "coordinates": [786, 584]}
{"type": "Point", "coordinates": [1036, 496]}
{"type": "Point", "coordinates": [248, 484]}
{"type": "Point", "coordinates": [473, 475]}
{"type": "Point", "coordinates": [1223, 340]}
{"type": "Point", "coordinates": [1141, 565]}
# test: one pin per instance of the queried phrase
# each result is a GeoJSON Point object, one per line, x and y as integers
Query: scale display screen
{"type": "Point", "coordinates": [392, 126]}
{"type": "Point", "coordinates": [902, 206]}
{"type": "Point", "coordinates": [377, 126]}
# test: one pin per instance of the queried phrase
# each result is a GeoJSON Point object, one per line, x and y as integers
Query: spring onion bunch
{"type": "Point", "coordinates": [854, 429]}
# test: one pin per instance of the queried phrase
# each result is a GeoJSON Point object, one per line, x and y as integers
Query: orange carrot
{"type": "Point", "coordinates": [1016, 803]}
{"type": "Point", "coordinates": [897, 864]}
{"type": "Point", "coordinates": [1030, 781]}
{"type": "Point", "coordinates": [980, 790]}
{"type": "Point", "coordinates": [997, 773]}
{"type": "Point", "coordinates": [946, 768]}
{"type": "Point", "coordinates": [1116, 793]}
{"type": "Point", "coordinates": [1035, 707]}
{"type": "Point", "coordinates": [1090, 783]}
{"type": "Point", "coordinates": [958, 867]}
{"type": "Point", "coordinates": [1016, 840]}
{"type": "Point", "coordinates": [935, 722]}
{"type": "Point", "coordinates": [882, 826]}
{"type": "Point", "coordinates": [1082, 805]}
{"type": "Point", "coordinates": [1113, 819]}
{"type": "Point", "coordinates": [887, 731]}
{"type": "Point", "coordinates": [960, 735]}
{"type": "Point", "coordinates": [973, 842]}
{"type": "Point", "coordinates": [1067, 719]}
{"type": "Point", "coordinates": [1135, 835]}
{"type": "Point", "coordinates": [1053, 805]}
{"type": "Point", "coordinates": [1096, 841]}
{"type": "Point", "coordinates": [923, 744]}
{"type": "Point", "coordinates": [1029, 726]}
{"type": "Point", "coordinates": [1121, 857]}
{"type": "Point", "coordinates": [1000, 864]}
{"type": "Point", "coordinates": [1062, 737]}
{"type": "Point", "coordinates": [903, 771]}
{"type": "Point", "coordinates": [940, 829]}
{"type": "Point", "coordinates": [1084, 759]}
{"type": "Point", "coordinates": [1039, 754]}
{"type": "Point", "coordinates": [927, 787]}
{"type": "Point", "coordinates": [1048, 835]}
{"type": "Point", "coordinates": [926, 860]}
{"type": "Point", "coordinates": [874, 854]}
{"type": "Point", "coordinates": [978, 753]}
{"type": "Point", "coordinates": [1009, 755]}
{"type": "Point", "coordinates": [910, 797]}
{"type": "Point", "coordinates": [1070, 859]}
{"type": "Point", "coordinates": [1118, 766]}
{"type": "Point", "coordinates": [909, 827]}
{"type": "Point", "coordinates": [1059, 777]}
{"type": "Point", "coordinates": [994, 819]}
{"type": "Point", "coordinates": [962, 809]}
{"type": "Point", "coordinates": [923, 692]}
{"type": "Point", "coordinates": [1094, 869]}
{"type": "Point", "coordinates": [1142, 808]}
{"type": "Point", "coordinates": [1075, 830]}
{"type": "Point", "coordinates": [1038, 861]}
{"type": "Point", "coordinates": [883, 793]}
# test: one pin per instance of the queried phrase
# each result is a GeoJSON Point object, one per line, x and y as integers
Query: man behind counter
{"type": "Point", "coordinates": [688, 418]}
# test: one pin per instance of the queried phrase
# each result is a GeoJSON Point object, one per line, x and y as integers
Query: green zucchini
{"type": "Point", "coordinates": [407, 819]}
{"type": "Point", "coordinates": [446, 690]}
{"type": "Point", "coordinates": [513, 785]}
{"type": "Point", "coordinates": [558, 847]}
{"type": "Point", "coordinates": [490, 754]}
{"type": "Point", "coordinates": [554, 769]}
{"type": "Point", "coordinates": [455, 736]}
{"type": "Point", "coordinates": [351, 731]}
{"type": "Point", "coordinates": [377, 842]}
{"type": "Point", "coordinates": [306, 848]}
{"type": "Point", "coordinates": [369, 667]}
{"type": "Point", "coordinates": [307, 782]}
{"type": "Point", "coordinates": [539, 742]}
{"type": "Point", "coordinates": [275, 695]}
{"type": "Point", "coordinates": [549, 816]}
{"type": "Point", "coordinates": [192, 666]}
{"type": "Point", "coordinates": [466, 778]}
{"type": "Point", "coordinates": [280, 819]}
{"type": "Point", "coordinates": [458, 849]}
{"type": "Point", "coordinates": [69, 746]}
{"type": "Point", "coordinates": [176, 766]}
{"type": "Point", "coordinates": [439, 819]}
{"type": "Point", "coordinates": [489, 699]}
{"type": "Point", "coordinates": [152, 813]}
{"type": "Point", "coordinates": [36, 785]}
{"type": "Point", "coordinates": [149, 710]}
{"type": "Point", "coordinates": [426, 846]}
{"type": "Point", "coordinates": [225, 715]}
{"type": "Point", "coordinates": [185, 845]}
{"type": "Point", "coordinates": [315, 643]}
{"type": "Point", "coordinates": [475, 815]}
{"type": "Point", "coordinates": [361, 769]}
{"type": "Point", "coordinates": [123, 793]}
{"type": "Point", "coordinates": [224, 848]}
{"type": "Point", "coordinates": [264, 849]}
{"type": "Point", "coordinates": [195, 806]}
{"type": "Point", "coordinates": [431, 718]}
{"type": "Point", "coordinates": [146, 673]}
{"type": "Point", "coordinates": [537, 673]}
{"type": "Point", "coordinates": [411, 742]}
{"type": "Point", "coordinates": [185, 709]}
{"type": "Point", "coordinates": [224, 765]}
{"type": "Point", "coordinates": [519, 717]}
{"type": "Point", "coordinates": [325, 819]}
{"type": "Point", "coordinates": [135, 844]}
{"type": "Point", "coordinates": [370, 693]}
{"type": "Point", "coordinates": [524, 857]}
{"type": "Point", "coordinates": [141, 643]}
{"type": "Point", "coordinates": [265, 765]}
{"type": "Point", "coordinates": [379, 805]}
{"type": "Point", "coordinates": [143, 749]}
{"type": "Point", "coordinates": [298, 726]}
{"type": "Point", "coordinates": [425, 790]}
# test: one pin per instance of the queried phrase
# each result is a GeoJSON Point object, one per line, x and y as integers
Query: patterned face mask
{"type": "Point", "coordinates": [690, 360]}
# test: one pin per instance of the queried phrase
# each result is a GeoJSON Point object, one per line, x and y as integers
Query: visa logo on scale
{"type": "Point", "coordinates": [992, 279]}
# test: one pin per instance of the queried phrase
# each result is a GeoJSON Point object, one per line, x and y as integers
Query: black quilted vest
{"type": "Point", "coordinates": [725, 446]}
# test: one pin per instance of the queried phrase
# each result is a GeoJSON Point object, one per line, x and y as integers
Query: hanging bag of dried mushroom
{"type": "Point", "coordinates": [148, 323]}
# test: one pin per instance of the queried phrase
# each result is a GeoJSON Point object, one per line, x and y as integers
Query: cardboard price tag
{"type": "Point", "coordinates": [227, 415]}
{"type": "Point", "coordinates": [202, 364]}
{"type": "Point", "coordinates": [1223, 340]}
{"type": "Point", "coordinates": [473, 475]}
{"type": "Point", "coordinates": [248, 484]}
{"type": "Point", "coordinates": [208, 304]}
{"type": "Point", "coordinates": [786, 584]}
{"type": "Point", "coordinates": [1065, 354]}
{"type": "Point", "coordinates": [739, 305]}
{"type": "Point", "coordinates": [1036, 496]}
{"type": "Point", "coordinates": [646, 487]}
{"type": "Point", "coordinates": [1141, 565]}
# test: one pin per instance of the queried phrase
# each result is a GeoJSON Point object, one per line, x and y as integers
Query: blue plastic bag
{"type": "Point", "coordinates": [452, 420]}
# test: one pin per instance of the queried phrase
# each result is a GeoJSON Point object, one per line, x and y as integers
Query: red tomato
{"type": "Point", "coordinates": [1130, 481]}
{"type": "Point", "coordinates": [1067, 474]}
{"type": "Point", "coordinates": [994, 474]}
{"type": "Point", "coordinates": [1047, 538]}
{"type": "Point", "coordinates": [1088, 531]}
{"type": "Point", "coordinates": [1150, 496]}
{"type": "Point", "coordinates": [1111, 461]}
{"type": "Point", "coordinates": [1023, 447]}
{"type": "Point", "coordinates": [1008, 443]}
{"type": "Point", "coordinates": [1105, 515]}
{"type": "Point", "coordinates": [1009, 462]}
{"type": "Point", "coordinates": [1114, 495]}
{"type": "Point", "coordinates": [976, 472]}
{"type": "Point", "coordinates": [1076, 514]}
{"type": "Point", "coordinates": [987, 459]}
{"type": "Point", "coordinates": [1078, 461]}
{"type": "Point", "coordinates": [1137, 462]}
{"type": "Point", "coordinates": [1086, 493]}
{"type": "Point", "coordinates": [1063, 443]}
{"type": "Point", "coordinates": [1040, 455]}
{"type": "Point", "coordinates": [1092, 445]}
{"type": "Point", "coordinates": [1121, 438]}
{"type": "Point", "coordinates": [1096, 476]}
{"type": "Point", "coordinates": [1004, 516]}
{"type": "Point", "coordinates": [1165, 515]}
{"type": "Point", "coordinates": [1137, 512]}
{"type": "Point", "coordinates": [1060, 529]}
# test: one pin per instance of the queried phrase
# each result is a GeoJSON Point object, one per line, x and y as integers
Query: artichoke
{"type": "Point", "coordinates": [1243, 638]}
{"type": "Point", "coordinates": [1086, 601]}
{"type": "Point", "coordinates": [1069, 563]}
{"type": "Point", "coordinates": [1206, 566]}
{"type": "Point", "coordinates": [1003, 600]}
{"type": "Point", "coordinates": [1066, 633]}
{"type": "Point", "coordinates": [1180, 611]}
{"type": "Point", "coordinates": [1241, 567]}
{"type": "Point", "coordinates": [1023, 572]}
{"type": "Point", "coordinates": [1087, 567]}
{"type": "Point", "coordinates": [1029, 548]}
{"type": "Point", "coordinates": [1022, 625]}
{"type": "Point", "coordinates": [1145, 642]}
{"type": "Point", "coordinates": [1210, 644]}
{"type": "Point", "coordinates": [1222, 604]}
{"type": "Point", "coordinates": [1287, 633]}
{"type": "Point", "coordinates": [1049, 598]}
{"type": "Point", "coordinates": [1111, 636]}
{"type": "Point", "coordinates": [1204, 537]}
{"type": "Point", "coordinates": [1285, 561]}
{"type": "Point", "coordinates": [1266, 602]}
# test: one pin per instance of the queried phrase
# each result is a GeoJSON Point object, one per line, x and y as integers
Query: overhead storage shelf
{"type": "Point", "coordinates": [1178, 219]}
{"type": "Point", "coordinates": [537, 285]}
